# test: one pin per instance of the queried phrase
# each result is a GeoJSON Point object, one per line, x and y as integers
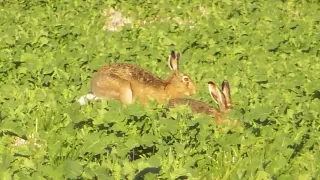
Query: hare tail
{"type": "Point", "coordinates": [89, 96]}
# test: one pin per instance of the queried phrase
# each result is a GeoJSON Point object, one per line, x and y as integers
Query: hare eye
{"type": "Point", "coordinates": [185, 79]}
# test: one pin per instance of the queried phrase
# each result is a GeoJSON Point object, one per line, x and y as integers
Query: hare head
{"type": "Point", "coordinates": [221, 97]}
{"type": "Point", "coordinates": [178, 83]}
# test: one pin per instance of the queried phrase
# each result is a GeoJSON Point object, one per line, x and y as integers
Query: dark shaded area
{"type": "Point", "coordinates": [142, 150]}
{"type": "Point", "coordinates": [316, 94]}
{"type": "Point", "coordinates": [141, 174]}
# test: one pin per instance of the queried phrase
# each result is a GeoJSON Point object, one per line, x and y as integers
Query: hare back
{"type": "Point", "coordinates": [132, 73]}
{"type": "Point", "coordinates": [196, 106]}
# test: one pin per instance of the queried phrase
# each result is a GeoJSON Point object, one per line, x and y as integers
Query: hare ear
{"type": "Point", "coordinates": [178, 56]}
{"type": "Point", "coordinates": [227, 94]}
{"type": "Point", "coordinates": [173, 61]}
{"type": "Point", "coordinates": [217, 95]}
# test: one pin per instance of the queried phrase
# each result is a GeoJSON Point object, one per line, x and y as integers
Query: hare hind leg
{"type": "Point", "coordinates": [126, 94]}
{"type": "Point", "coordinates": [112, 87]}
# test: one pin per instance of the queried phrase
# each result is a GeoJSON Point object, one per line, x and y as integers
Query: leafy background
{"type": "Point", "coordinates": [268, 51]}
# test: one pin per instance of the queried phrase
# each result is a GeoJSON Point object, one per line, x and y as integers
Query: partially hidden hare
{"type": "Point", "coordinates": [127, 82]}
{"type": "Point", "coordinates": [221, 97]}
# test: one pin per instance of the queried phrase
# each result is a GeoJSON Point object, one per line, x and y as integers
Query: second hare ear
{"type": "Point", "coordinates": [174, 61]}
{"type": "Point", "coordinates": [178, 56]}
{"type": "Point", "coordinates": [217, 95]}
{"type": "Point", "coordinates": [227, 94]}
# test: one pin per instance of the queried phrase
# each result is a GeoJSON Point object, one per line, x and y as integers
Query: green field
{"type": "Point", "coordinates": [269, 51]}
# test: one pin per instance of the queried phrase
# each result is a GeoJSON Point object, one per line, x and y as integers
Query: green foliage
{"type": "Point", "coordinates": [268, 51]}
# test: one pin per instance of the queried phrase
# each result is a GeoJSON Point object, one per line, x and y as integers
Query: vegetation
{"type": "Point", "coordinates": [268, 51]}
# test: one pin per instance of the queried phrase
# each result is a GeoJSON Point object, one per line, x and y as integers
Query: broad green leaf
{"type": "Point", "coordinates": [154, 161]}
{"type": "Point", "coordinates": [72, 168]}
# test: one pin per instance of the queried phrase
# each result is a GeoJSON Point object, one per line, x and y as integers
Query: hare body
{"type": "Point", "coordinates": [127, 82]}
{"type": "Point", "coordinates": [222, 97]}
{"type": "Point", "coordinates": [195, 105]}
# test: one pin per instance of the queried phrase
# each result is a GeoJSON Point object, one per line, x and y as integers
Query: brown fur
{"type": "Point", "coordinates": [119, 80]}
{"type": "Point", "coordinates": [198, 107]}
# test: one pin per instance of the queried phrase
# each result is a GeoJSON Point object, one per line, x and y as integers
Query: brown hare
{"type": "Point", "coordinates": [127, 82]}
{"type": "Point", "coordinates": [222, 97]}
